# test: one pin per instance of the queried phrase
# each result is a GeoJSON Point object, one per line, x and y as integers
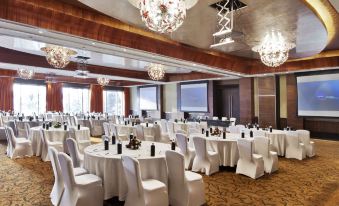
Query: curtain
{"type": "Point", "coordinates": [6, 93]}
{"type": "Point", "coordinates": [96, 104]}
{"type": "Point", "coordinates": [54, 97]}
{"type": "Point", "coordinates": [127, 101]}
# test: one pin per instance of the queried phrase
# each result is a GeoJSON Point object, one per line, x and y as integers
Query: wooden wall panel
{"type": "Point", "coordinates": [292, 103]}
{"type": "Point", "coordinates": [246, 95]}
{"type": "Point", "coordinates": [6, 94]}
{"type": "Point", "coordinates": [127, 101]}
{"type": "Point", "coordinates": [267, 101]}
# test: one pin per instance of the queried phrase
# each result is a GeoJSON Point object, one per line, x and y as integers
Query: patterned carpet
{"type": "Point", "coordinates": [315, 181]}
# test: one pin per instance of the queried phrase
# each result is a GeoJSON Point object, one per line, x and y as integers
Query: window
{"type": "Point", "coordinates": [75, 99]}
{"type": "Point", "coordinates": [29, 98]}
{"type": "Point", "coordinates": [114, 102]}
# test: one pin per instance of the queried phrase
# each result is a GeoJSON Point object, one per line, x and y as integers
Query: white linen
{"type": "Point", "coordinates": [57, 134]}
{"type": "Point", "coordinates": [108, 165]}
{"type": "Point", "coordinates": [277, 141]}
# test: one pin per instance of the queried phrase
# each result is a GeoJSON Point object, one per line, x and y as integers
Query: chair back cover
{"type": "Point", "coordinates": [223, 118]}
{"type": "Point", "coordinates": [170, 128]}
{"type": "Point", "coordinates": [106, 129]}
{"type": "Point", "coordinates": [245, 149]}
{"type": "Point", "coordinates": [133, 176]}
{"type": "Point", "coordinates": [176, 169]}
{"type": "Point", "coordinates": [67, 172]}
{"type": "Point", "coordinates": [194, 131]}
{"type": "Point", "coordinates": [58, 180]}
{"type": "Point", "coordinates": [200, 147]}
{"type": "Point", "coordinates": [233, 129]}
{"type": "Point", "coordinates": [140, 132]}
{"type": "Point", "coordinates": [260, 133]}
{"type": "Point", "coordinates": [27, 129]}
{"type": "Point", "coordinates": [261, 145]}
{"type": "Point", "coordinates": [292, 139]}
{"type": "Point", "coordinates": [240, 127]}
{"type": "Point", "coordinates": [73, 151]}
{"type": "Point", "coordinates": [20, 128]}
{"type": "Point", "coordinates": [11, 136]}
{"type": "Point", "coordinates": [182, 142]}
{"type": "Point", "coordinates": [304, 136]}
{"type": "Point", "coordinates": [163, 124]}
{"type": "Point", "coordinates": [157, 132]}
{"type": "Point", "coordinates": [215, 118]}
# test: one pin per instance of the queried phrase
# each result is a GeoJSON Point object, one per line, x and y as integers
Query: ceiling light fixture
{"type": "Point", "coordinates": [103, 81]}
{"type": "Point", "coordinates": [274, 49]}
{"type": "Point", "coordinates": [58, 56]}
{"type": "Point", "coordinates": [82, 71]}
{"type": "Point", "coordinates": [25, 73]}
{"type": "Point", "coordinates": [156, 71]}
{"type": "Point", "coordinates": [164, 16]}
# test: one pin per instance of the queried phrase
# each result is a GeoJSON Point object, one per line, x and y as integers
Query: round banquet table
{"type": "Point", "coordinates": [107, 165]}
{"type": "Point", "coordinates": [226, 148]}
{"type": "Point", "coordinates": [54, 134]}
{"type": "Point", "coordinates": [277, 141]}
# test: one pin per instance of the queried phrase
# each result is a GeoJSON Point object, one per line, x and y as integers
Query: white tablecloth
{"type": "Point", "coordinates": [54, 134]}
{"type": "Point", "coordinates": [226, 148]}
{"type": "Point", "coordinates": [108, 166]}
{"type": "Point", "coordinates": [277, 141]}
{"type": "Point", "coordinates": [132, 129]}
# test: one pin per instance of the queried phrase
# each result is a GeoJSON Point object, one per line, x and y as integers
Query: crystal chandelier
{"type": "Point", "coordinates": [58, 56]}
{"type": "Point", "coordinates": [164, 16]}
{"type": "Point", "coordinates": [156, 71]}
{"type": "Point", "coordinates": [274, 49]}
{"type": "Point", "coordinates": [103, 81]}
{"type": "Point", "coordinates": [25, 73]}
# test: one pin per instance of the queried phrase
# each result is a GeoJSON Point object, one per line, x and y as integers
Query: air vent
{"type": "Point", "coordinates": [236, 4]}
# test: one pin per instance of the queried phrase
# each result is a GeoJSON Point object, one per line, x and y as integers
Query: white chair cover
{"type": "Point", "coordinates": [240, 127]}
{"type": "Point", "coordinates": [17, 147]}
{"type": "Point", "coordinates": [163, 124]}
{"type": "Point", "coordinates": [142, 192]}
{"type": "Point", "coordinates": [215, 118]}
{"type": "Point", "coordinates": [258, 133]}
{"type": "Point", "coordinates": [158, 136]}
{"type": "Point", "coordinates": [79, 190]}
{"type": "Point", "coordinates": [73, 150]}
{"type": "Point", "coordinates": [223, 118]}
{"type": "Point", "coordinates": [121, 134]}
{"type": "Point", "coordinates": [189, 153]}
{"type": "Point", "coordinates": [204, 161]}
{"type": "Point", "coordinates": [107, 130]}
{"type": "Point", "coordinates": [96, 127]}
{"type": "Point", "coordinates": [48, 142]}
{"type": "Point", "coordinates": [232, 121]}
{"type": "Point", "coordinates": [185, 188]}
{"type": "Point", "coordinates": [233, 129]}
{"type": "Point", "coordinates": [304, 136]}
{"type": "Point", "coordinates": [262, 147]}
{"type": "Point", "coordinates": [249, 164]}
{"type": "Point", "coordinates": [170, 130]}
{"type": "Point", "coordinates": [83, 141]}
{"type": "Point", "coordinates": [21, 129]}
{"type": "Point", "coordinates": [58, 187]}
{"type": "Point", "coordinates": [294, 148]}
{"type": "Point", "coordinates": [140, 132]}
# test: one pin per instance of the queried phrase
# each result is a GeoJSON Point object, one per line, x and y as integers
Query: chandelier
{"type": "Point", "coordinates": [274, 49]}
{"type": "Point", "coordinates": [58, 56]}
{"type": "Point", "coordinates": [103, 81]}
{"type": "Point", "coordinates": [156, 71]}
{"type": "Point", "coordinates": [25, 73]}
{"type": "Point", "coordinates": [164, 16]}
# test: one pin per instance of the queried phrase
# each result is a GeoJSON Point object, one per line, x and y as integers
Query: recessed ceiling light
{"type": "Point", "coordinates": [41, 31]}
{"type": "Point", "coordinates": [194, 65]}
{"type": "Point", "coordinates": [93, 43]}
{"type": "Point", "coordinates": [125, 50]}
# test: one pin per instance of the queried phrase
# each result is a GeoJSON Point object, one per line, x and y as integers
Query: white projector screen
{"type": "Point", "coordinates": [193, 97]}
{"type": "Point", "coordinates": [148, 98]}
{"type": "Point", "coordinates": [318, 95]}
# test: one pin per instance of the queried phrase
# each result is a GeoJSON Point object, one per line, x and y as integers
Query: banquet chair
{"type": "Point", "coordinates": [260, 133]}
{"type": "Point", "coordinates": [46, 143]}
{"type": "Point", "coordinates": [83, 141]}
{"type": "Point", "coordinates": [20, 129]}
{"type": "Point", "coordinates": [77, 158]}
{"type": "Point", "coordinates": [148, 192]}
{"type": "Point", "coordinates": [139, 132]}
{"type": "Point", "coordinates": [240, 127]}
{"type": "Point", "coordinates": [27, 130]}
{"type": "Point", "coordinates": [158, 136]}
{"type": "Point", "coordinates": [233, 129]}
{"type": "Point", "coordinates": [232, 121]}
{"type": "Point", "coordinates": [204, 161]}
{"type": "Point", "coordinates": [189, 153]}
{"type": "Point", "coordinates": [73, 121]}
{"type": "Point", "coordinates": [79, 190]}
{"type": "Point", "coordinates": [249, 164]}
{"type": "Point", "coordinates": [163, 124]}
{"type": "Point", "coordinates": [17, 147]}
{"type": "Point", "coordinates": [58, 187]}
{"type": "Point", "coordinates": [107, 130]}
{"type": "Point", "coordinates": [215, 118]}
{"type": "Point", "coordinates": [170, 130]}
{"type": "Point", "coordinates": [121, 133]}
{"type": "Point", "coordinates": [262, 147]}
{"type": "Point", "coordinates": [96, 127]}
{"type": "Point", "coordinates": [304, 136]}
{"type": "Point", "coordinates": [223, 118]}
{"type": "Point", "coordinates": [294, 148]}
{"type": "Point", "coordinates": [185, 188]}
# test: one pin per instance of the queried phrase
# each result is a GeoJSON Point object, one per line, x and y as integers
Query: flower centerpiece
{"type": "Point", "coordinates": [134, 143]}
{"type": "Point", "coordinates": [57, 125]}
{"type": "Point", "coordinates": [216, 132]}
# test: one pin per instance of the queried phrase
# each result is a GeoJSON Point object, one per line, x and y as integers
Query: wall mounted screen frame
{"type": "Point", "coordinates": [318, 95]}
{"type": "Point", "coordinates": [148, 98]}
{"type": "Point", "coordinates": [189, 99]}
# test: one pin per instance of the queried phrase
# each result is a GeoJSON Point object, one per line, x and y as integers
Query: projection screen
{"type": "Point", "coordinates": [193, 97]}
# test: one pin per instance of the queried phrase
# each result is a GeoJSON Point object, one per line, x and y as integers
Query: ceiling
{"type": "Point", "coordinates": [296, 21]}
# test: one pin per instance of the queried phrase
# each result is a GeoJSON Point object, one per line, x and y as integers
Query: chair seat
{"type": "Point", "coordinates": [54, 143]}
{"type": "Point", "coordinates": [211, 153]}
{"type": "Point", "coordinates": [87, 179]}
{"type": "Point", "coordinates": [84, 141]}
{"type": "Point", "coordinates": [257, 156]}
{"type": "Point", "coordinates": [152, 184]}
{"type": "Point", "coordinates": [79, 171]}
{"type": "Point", "coordinates": [22, 140]}
{"type": "Point", "coordinates": [192, 176]}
